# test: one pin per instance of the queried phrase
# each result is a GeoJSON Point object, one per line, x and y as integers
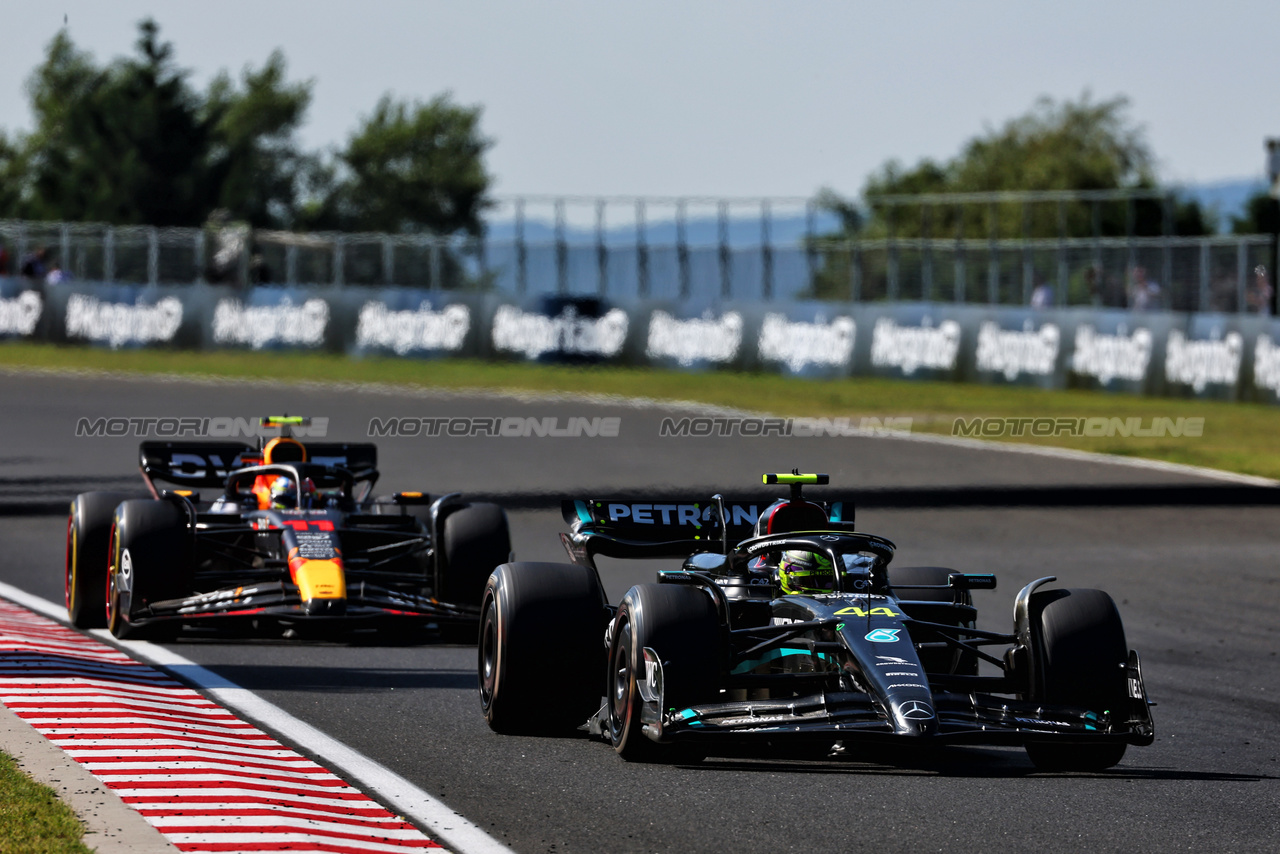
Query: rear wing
{"type": "Point", "coordinates": [658, 527]}
{"type": "Point", "coordinates": [195, 465]}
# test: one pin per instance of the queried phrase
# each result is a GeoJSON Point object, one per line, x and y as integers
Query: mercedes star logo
{"type": "Point", "coordinates": [916, 710]}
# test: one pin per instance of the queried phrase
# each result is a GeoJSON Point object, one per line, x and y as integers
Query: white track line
{"type": "Point", "coordinates": [450, 828]}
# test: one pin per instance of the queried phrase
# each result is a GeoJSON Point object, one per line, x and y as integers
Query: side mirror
{"type": "Point", "coordinates": [716, 564]}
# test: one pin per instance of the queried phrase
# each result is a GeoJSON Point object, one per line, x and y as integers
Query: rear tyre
{"type": "Point", "coordinates": [681, 625]}
{"type": "Point", "coordinates": [953, 660]}
{"type": "Point", "coordinates": [150, 561]}
{"type": "Point", "coordinates": [1083, 655]}
{"type": "Point", "coordinates": [541, 649]}
{"type": "Point", "coordinates": [476, 539]}
{"type": "Point", "coordinates": [88, 538]}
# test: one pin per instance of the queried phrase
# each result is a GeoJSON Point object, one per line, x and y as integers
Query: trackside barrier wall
{"type": "Point", "coordinates": [1221, 356]}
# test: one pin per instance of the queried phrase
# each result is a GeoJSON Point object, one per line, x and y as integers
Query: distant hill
{"type": "Point", "coordinates": [1226, 198]}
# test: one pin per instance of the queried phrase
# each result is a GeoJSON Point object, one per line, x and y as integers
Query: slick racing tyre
{"type": "Point", "coordinates": [88, 532]}
{"type": "Point", "coordinates": [541, 651]}
{"type": "Point", "coordinates": [681, 625]}
{"type": "Point", "coordinates": [150, 561]}
{"type": "Point", "coordinates": [1082, 661]}
{"type": "Point", "coordinates": [476, 539]}
{"type": "Point", "coordinates": [952, 660]}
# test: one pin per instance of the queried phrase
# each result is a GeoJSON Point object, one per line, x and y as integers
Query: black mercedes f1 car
{"type": "Point", "coordinates": [292, 542]}
{"type": "Point", "coordinates": [801, 631]}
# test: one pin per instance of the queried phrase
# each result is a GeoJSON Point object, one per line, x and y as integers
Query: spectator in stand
{"type": "Point", "coordinates": [1144, 294]}
{"type": "Point", "coordinates": [4, 260]}
{"type": "Point", "coordinates": [33, 266]}
{"type": "Point", "coordinates": [56, 275]}
{"type": "Point", "coordinates": [1042, 296]}
{"type": "Point", "coordinates": [1258, 297]}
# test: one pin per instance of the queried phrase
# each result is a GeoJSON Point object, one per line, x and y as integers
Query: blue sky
{"type": "Point", "coordinates": [718, 98]}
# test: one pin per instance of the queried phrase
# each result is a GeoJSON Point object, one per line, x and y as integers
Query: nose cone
{"type": "Point", "coordinates": [325, 607]}
{"type": "Point", "coordinates": [915, 717]}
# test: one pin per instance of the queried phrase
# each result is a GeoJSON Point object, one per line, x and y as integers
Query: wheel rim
{"type": "Point", "coordinates": [488, 654]}
{"type": "Point", "coordinates": [70, 585]}
{"type": "Point", "coordinates": [113, 607]}
{"type": "Point", "coordinates": [620, 693]}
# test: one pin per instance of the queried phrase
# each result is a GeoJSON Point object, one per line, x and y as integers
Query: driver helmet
{"type": "Point", "coordinates": [806, 572]}
{"type": "Point", "coordinates": [283, 493]}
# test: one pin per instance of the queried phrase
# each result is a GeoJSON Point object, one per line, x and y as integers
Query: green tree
{"type": "Point", "coordinates": [1260, 215]}
{"type": "Point", "coordinates": [1072, 145]}
{"type": "Point", "coordinates": [254, 160]}
{"type": "Point", "coordinates": [411, 167]}
{"type": "Point", "coordinates": [125, 144]}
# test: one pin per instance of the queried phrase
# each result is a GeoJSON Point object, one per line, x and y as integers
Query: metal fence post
{"type": "Point", "coordinates": [1202, 298]}
{"type": "Point", "coordinates": [1242, 262]}
{"type": "Point", "coordinates": [388, 261]}
{"type": "Point", "coordinates": [1028, 269]}
{"type": "Point", "coordinates": [766, 251]}
{"type": "Point", "coordinates": [109, 255]}
{"type": "Point", "coordinates": [810, 253]}
{"type": "Point", "coordinates": [339, 259]}
{"type": "Point", "coordinates": [993, 258]}
{"type": "Point", "coordinates": [855, 272]}
{"type": "Point", "coordinates": [722, 217]}
{"type": "Point", "coordinates": [642, 253]}
{"type": "Point", "coordinates": [153, 256]}
{"type": "Point", "coordinates": [602, 251]}
{"type": "Point", "coordinates": [891, 286]}
{"type": "Point", "coordinates": [64, 250]}
{"type": "Point", "coordinates": [562, 251]}
{"type": "Point", "coordinates": [291, 264]}
{"type": "Point", "coordinates": [926, 251]}
{"type": "Point", "coordinates": [200, 250]}
{"type": "Point", "coordinates": [437, 270]}
{"type": "Point", "coordinates": [522, 257]}
{"type": "Point", "coordinates": [682, 248]}
{"type": "Point", "coordinates": [1064, 273]}
{"type": "Point", "coordinates": [958, 261]}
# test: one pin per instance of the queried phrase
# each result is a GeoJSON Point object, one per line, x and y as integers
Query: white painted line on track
{"type": "Point", "coordinates": [446, 825]}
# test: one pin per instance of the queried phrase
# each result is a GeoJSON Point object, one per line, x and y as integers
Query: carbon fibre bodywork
{"type": "Point", "coordinates": [338, 559]}
{"type": "Point", "coordinates": [867, 660]}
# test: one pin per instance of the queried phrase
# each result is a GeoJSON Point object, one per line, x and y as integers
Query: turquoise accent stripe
{"type": "Point", "coordinates": [584, 515]}
{"type": "Point", "coordinates": [837, 511]}
{"type": "Point", "coordinates": [751, 664]}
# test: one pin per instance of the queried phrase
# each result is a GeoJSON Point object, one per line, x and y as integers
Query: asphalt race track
{"type": "Point", "coordinates": [1197, 580]}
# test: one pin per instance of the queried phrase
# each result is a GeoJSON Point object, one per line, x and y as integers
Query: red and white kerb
{"type": "Point", "coordinates": [207, 780]}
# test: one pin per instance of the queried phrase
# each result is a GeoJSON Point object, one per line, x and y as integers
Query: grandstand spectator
{"type": "Point", "coordinates": [33, 266]}
{"type": "Point", "coordinates": [1042, 296]}
{"type": "Point", "coordinates": [1258, 297]}
{"type": "Point", "coordinates": [4, 260]}
{"type": "Point", "coordinates": [1144, 294]}
{"type": "Point", "coordinates": [56, 275]}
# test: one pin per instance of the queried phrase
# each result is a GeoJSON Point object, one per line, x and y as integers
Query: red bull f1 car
{"type": "Point", "coordinates": [790, 625]}
{"type": "Point", "coordinates": [291, 540]}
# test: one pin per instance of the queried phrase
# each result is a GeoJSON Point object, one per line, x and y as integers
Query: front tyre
{"type": "Point", "coordinates": [1082, 664]}
{"type": "Point", "coordinates": [681, 625]}
{"type": "Point", "coordinates": [88, 538]}
{"type": "Point", "coordinates": [150, 560]}
{"type": "Point", "coordinates": [541, 652]}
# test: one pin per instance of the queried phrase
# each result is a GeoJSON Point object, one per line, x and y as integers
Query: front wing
{"type": "Point", "coordinates": [281, 600]}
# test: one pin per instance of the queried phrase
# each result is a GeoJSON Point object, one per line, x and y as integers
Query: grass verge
{"type": "Point", "coordinates": [1240, 437]}
{"type": "Point", "coordinates": [32, 819]}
